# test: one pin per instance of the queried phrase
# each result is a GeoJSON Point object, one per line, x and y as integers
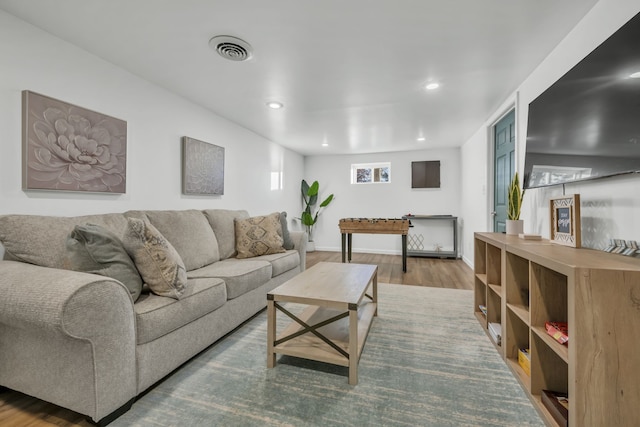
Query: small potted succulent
{"type": "Point", "coordinates": [514, 194]}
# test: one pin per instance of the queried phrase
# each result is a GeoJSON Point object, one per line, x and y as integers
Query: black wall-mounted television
{"type": "Point", "coordinates": [587, 124]}
{"type": "Point", "coordinates": [425, 174]}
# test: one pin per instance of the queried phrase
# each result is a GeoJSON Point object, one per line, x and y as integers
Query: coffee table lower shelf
{"type": "Point", "coordinates": [339, 332]}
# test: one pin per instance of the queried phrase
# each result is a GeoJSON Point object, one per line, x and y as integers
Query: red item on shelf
{"type": "Point", "coordinates": [558, 330]}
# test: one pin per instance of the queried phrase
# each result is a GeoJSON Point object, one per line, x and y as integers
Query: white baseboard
{"type": "Point", "coordinates": [360, 250]}
{"type": "Point", "coordinates": [468, 262]}
{"type": "Point", "coordinates": [379, 251]}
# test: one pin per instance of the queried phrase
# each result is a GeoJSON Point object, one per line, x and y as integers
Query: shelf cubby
{"type": "Point", "coordinates": [517, 334]}
{"type": "Point", "coordinates": [494, 266]}
{"type": "Point", "coordinates": [488, 289]}
{"type": "Point", "coordinates": [561, 350]}
{"type": "Point", "coordinates": [480, 281]}
{"type": "Point", "coordinates": [548, 370]}
{"type": "Point", "coordinates": [516, 337]}
{"type": "Point", "coordinates": [494, 306]}
{"type": "Point", "coordinates": [480, 257]}
{"type": "Point", "coordinates": [517, 280]}
{"type": "Point", "coordinates": [480, 298]}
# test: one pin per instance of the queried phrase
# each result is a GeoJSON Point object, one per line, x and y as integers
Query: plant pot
{"type": "Point", "coordinates": [515, 226]}
{"type": "Point", "coordinates": [311, 246]}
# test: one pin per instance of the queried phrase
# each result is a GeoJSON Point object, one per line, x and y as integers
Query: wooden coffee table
{"type": "Point", "coordinates": [334, 327]}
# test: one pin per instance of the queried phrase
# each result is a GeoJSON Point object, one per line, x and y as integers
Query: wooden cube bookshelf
{"type": "Point", "coordinates": [524, 283]}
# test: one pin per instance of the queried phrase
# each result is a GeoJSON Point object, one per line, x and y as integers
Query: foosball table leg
{"type": "Point", "coordinates": [404, 253]}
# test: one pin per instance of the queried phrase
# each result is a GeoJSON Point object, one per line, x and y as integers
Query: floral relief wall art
{"type": "Point", "coordinates": [202, 167]}
{"type": "Point", "coordinates": [70, 148]}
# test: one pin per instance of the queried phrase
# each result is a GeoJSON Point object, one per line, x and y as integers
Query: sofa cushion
{"type": "Point", "coordinates": [190, 234]}
{"type": "Point", "coordinates": [223, 225]}
{"type": "Point", "coordinates": [259, 235]}
{"type": "Point", "coordinates": [156, 259]}
{"type": "Point", "coordinates": [282, 262]}
{"type": "Point", "coordinates": [286, 237]}
{"type": "Point", "coordinates": [94, 249]}
{"type": "Point", "coordinates": [157, 316]}
{"type": "Point", "coordinates": [41, 239]}
{"type": "Point", "coordinates": [240, 276]}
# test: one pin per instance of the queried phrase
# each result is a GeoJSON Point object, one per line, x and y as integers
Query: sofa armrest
{"type": "Point", "coordinates": [300, 239]}
{"type": "Point", "coordinates": [67, 337]}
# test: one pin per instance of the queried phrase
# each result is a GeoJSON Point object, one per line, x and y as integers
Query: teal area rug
{"type": "Point", "coordinates": [426, 362]}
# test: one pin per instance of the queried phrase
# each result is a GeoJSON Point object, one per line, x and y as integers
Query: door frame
{"type": "Point", "coordinates": [512, 104]}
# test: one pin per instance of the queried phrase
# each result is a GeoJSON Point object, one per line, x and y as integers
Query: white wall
{"type": "Point", "coordinates": [156, 120]}
{"type": "Point", "coordinates": [390, 200]}
{"type": "Point", "coordinates": [610, 207]}
{"type": "Point", "coordinates": [475, 191]}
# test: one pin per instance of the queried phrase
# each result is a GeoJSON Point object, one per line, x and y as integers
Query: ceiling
{"type": "Point", "coordinates": [350, 73]}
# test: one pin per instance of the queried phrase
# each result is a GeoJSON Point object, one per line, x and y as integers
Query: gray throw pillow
{"type": "Point", "coordinates": [259, 235]}
{"type": "Point", "coordinates": [94, 249]}
{"type": "Point", "coordinates": [156, 259]}
{"type": "Point", "coordinates": [288, 243]}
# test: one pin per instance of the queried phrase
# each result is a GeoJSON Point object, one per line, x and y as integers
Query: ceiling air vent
{"type": "Point", "coordinates": [231, 48]}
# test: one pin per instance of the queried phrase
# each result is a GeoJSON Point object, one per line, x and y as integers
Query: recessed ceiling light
{"type": "Point", "coordinates": [422, 138]}
{"type": "Point", "coordinates": [325, 144]}
{"type": "Point", "coordinates": [275, 105]}
{"type": "Point", "coordinates": [635, 75]}
{"type": "Point", "coordinates": [432, 86]}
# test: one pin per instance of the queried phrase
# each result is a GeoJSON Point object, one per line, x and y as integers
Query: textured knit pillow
{"type": "Point", "coordinates": [286, 237]}
{"type": "Point", "coordinates": [259, 235]}
{"type": "Point", "coordinates": [94, 249]}
{"type": "Point", "coordinates": [157, 261]}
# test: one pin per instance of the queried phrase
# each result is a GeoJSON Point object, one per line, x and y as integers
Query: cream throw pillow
{"type": "Point", "coordinates": [156, 259]}
{"type": "Point", "coordinates": [259, 235]}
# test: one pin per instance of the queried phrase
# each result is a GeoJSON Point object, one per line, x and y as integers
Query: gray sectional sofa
{"type": "Point", "coordinates": [80, 341]}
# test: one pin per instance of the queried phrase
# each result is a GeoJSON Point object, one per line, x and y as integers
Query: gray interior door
{"type": "Point", "coordinates": [504, 168]}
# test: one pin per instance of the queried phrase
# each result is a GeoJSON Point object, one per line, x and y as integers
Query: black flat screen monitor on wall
{"type": "Point", "coordinates": [425, 174]}
{"type": "Point", "coordinates": [587, 124]}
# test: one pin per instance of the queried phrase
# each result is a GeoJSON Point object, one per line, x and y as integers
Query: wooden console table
{"type": "Point", "coordinates": [348, 226]}
{"type": "Point", "coordinates": [454, 228]}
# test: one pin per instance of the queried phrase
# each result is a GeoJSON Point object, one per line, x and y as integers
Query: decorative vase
{"type": "Point", "coordinates": [311, 246]}
{"type": "Point", "coordinates": [515, 226]}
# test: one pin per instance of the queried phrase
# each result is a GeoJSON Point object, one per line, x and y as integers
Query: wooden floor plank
{"type": "Point", "coordinates": [421, 271]}
{"type": "Point", "coordinates": [19, 410]}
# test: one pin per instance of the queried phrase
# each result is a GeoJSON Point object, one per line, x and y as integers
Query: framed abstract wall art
{"type": "Point", "coordinates": [70, 148]}
{"type": "Point", "coordinates": [202, 168]}
{"type": "Point", "coordinates": [565, 220]}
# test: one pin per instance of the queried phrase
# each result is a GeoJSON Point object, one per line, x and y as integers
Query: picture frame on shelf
{"type": "Point", "coordinates": [564, 218]}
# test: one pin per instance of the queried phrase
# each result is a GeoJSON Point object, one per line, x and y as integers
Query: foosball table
{"type": "Point", "coordinates": [349, 226]}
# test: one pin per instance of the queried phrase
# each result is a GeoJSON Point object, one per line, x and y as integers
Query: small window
{"type": "Point", "coordinates": [370, 173]}
{"type": "Point", "coordinates": [276, 181]}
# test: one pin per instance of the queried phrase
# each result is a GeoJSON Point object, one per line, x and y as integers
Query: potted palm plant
{"type": "Point", "coordinates": [514, 194]}
{"type": "Point", "coordinates": [309, 215]}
